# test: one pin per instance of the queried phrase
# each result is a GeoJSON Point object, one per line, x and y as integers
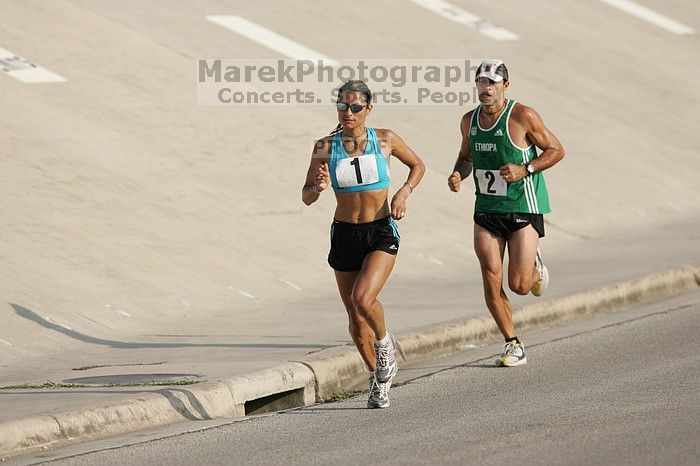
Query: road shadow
{"type": "Point", "coordinates": [36, 318]}
{"type": "Point", "coordinates": [72, 391]}
{"type": "Point", "coordinates": [180, 407]}
{"type": "Point", "coordinates": [194, 412]}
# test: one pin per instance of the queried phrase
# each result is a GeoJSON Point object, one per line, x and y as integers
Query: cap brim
{"type": "Point", "coordinates": [495, 78]}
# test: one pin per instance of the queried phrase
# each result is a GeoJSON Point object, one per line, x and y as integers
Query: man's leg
{"type": "Point", "coordinates": [489, 250]}
{"type": "Point", "coordinates": [522, 248]}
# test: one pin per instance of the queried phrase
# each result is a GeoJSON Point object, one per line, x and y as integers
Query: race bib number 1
{"type": "Point", "coordinates": [357, 171]}
{"type": "Point", "coordinates": [491, 182]}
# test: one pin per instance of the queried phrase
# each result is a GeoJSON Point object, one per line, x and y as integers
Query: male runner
{"type": "Point", "coordinates": [499, 141]}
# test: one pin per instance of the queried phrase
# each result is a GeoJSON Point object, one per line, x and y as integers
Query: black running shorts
{"type": "Point", "coordinates": [352, 242]}
{"type": "Point", "coordinates": [504, 225]}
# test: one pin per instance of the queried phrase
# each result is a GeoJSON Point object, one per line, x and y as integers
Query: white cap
{"type": "Point", "coordinates": [493, 69]}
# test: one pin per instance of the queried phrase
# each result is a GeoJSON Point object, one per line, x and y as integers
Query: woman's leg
{"type": "Point", "coordinates": [361, 333]}
{"type": "Point", "coordinates": [375, 271]}
{"type": "Point", "coordinates": [359, 291]}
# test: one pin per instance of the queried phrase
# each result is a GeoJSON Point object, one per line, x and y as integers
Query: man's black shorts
{"type": "Point", "coordinates": [504, 225]}
{"type": "Point", "coordinates": [352, 242]}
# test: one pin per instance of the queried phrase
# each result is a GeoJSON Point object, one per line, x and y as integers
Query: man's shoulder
{"type": "Point", "coordinates": [466, 119]}
{"type": "Point", "coordinates": [522, 112]}
{"type": "Point", "coordinates": [468, 116]}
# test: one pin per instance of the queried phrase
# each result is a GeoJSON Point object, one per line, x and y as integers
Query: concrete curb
{"type": "Point", "coordinates": [314, 378]}
{"type": "Point", "coordinates": [335, 370]}
{"type": "Point", "coordinates": [338, 369]}
{"type": "Point", "coordinates": [653, 286]}
{"type": "Point", "coordinates": [291, 382]}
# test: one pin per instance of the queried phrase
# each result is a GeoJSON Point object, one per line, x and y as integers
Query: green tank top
{"type": "Point", "coordinates": [492, 148]}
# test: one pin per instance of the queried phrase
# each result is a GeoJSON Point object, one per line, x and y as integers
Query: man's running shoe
{"type": "Point", "coordinates": [378, 393]}
{"type": "Point", "coordinates": [541, 285]}
{"type": "Point", "coordinates": [513, 355]}
{"type": "Point", "coordinates": [386, 359]}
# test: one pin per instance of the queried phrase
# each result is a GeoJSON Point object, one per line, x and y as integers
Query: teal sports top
{"type": "Point", "coordinates": [358, 173]}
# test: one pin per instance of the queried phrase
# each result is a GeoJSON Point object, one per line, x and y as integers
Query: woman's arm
{"type": "Point", "coordinates": [405, 155]}
{"type": "Point", "coordinates": [317, 176]}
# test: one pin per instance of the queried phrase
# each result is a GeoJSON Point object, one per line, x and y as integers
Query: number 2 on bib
{"type": "Point", "coordinates": [491, 182]}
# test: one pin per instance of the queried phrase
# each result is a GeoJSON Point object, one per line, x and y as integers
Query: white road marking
{"type": "Point", "coordinates": [431, 259]}
{"type": "Point", "coordinates": [20, 68]}
{"type": "Point", "coordinates": [54, 321]}
{"type": "Point", "coordinates": [246, 294]}
{"type": "Point", "coordinates": [118, 311]}
{"type": "Point", "coordinates": [461, 16]}
{"type": "Point", "coordinates": [650, 16]}
{"type": "Point", "coordinates": [269, 39]}
{"type": "Point", "coordinates": [5, 342]}
{"type": "Point", "coordinates": [290, 284]}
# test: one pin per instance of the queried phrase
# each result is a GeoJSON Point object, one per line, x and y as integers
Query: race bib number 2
{"type": "Point", "coordinates": [357, 171]}
{"type": "Point", "coordinates": [491, 182]}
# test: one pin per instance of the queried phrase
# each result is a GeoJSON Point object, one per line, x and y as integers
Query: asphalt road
{"type": "Point", "coordinates": [617, 389]}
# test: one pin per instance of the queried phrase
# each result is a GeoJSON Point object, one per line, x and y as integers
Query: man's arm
{"type": "Point", "coordinates": [537, 133]}
{"type": "Point", "coordinates": [463, 165]}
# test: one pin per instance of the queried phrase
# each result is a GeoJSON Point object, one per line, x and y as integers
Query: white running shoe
{"type": "Point", "coordinates": [540, 286]}
{"type": "Point", "coordinates": [378, 393]}
{"type": "Point", "coordinates": [513, 355]}
{"type": "Point", "coordinates": [386, 360]}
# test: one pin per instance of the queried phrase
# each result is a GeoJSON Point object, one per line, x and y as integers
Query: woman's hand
{"type": "Point", "coordinates": [398, 203]}
{"type": "Point", "coordinates": [323, 177]}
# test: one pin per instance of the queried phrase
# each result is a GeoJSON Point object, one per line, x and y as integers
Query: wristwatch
{"type": "Point", "coordinates": [530, 169]}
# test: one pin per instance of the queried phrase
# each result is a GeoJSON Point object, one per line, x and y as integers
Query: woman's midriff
{"type": "Point", "coordinates": [362, 206]}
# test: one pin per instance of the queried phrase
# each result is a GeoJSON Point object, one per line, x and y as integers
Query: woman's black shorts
{"type": "Point", "coordinates": [504, 225]}
{"type": "Point", "coordinates": [352, 242]}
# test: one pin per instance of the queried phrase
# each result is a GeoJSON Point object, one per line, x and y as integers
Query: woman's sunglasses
{"type": "Point", "coordinates": [354, 108]}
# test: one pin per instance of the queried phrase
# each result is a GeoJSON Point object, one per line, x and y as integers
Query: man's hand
{"type": "Point", "coordinates": [454, 181]}
{"type": "Point", "coordinates": [513, 172]}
